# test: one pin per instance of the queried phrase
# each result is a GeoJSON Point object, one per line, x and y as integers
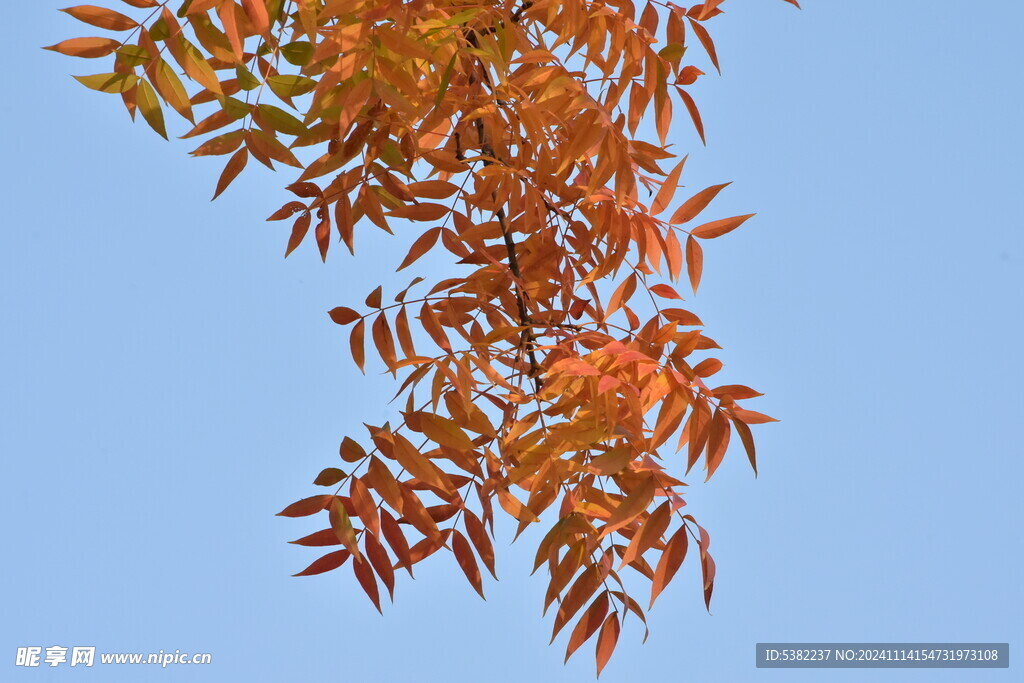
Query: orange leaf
{"type": "Point", "coordinates": [373, 300]}
{"type": "Point", "coordinates": [422, 245]}
{"type": "Point", "coordinates": [464, 556]}
{"type": "Point", "coordinates": [580, 592]}
{"type": "Point", "coordinates": [630, 508]}
{"type": "Point", "coordinates": [707, 367]}
{"type": "Point", "coordinates": [695, 204]}
{"type": "Point", "coordinates": [720, 227]}
{"type": "Point", "coordinates": [681, 316]}
{"type": "Point", "coordinates": [665, 292]}
{"type": "Point", "coordinates": [380, 478]}
{"type": "Point", "coordinates": [356, 344]}
{"type": "Point", "coordinates": [705, 40]}
{"type": "Point", "coordinates": [85, 47]}
{"type": "Point", "coordinates": [419, 466]}
{"type": "Point", "coordinates": [735, 391]}
{"type": "Point", "coordinates": [433, 327]}
{"type": "Point", "coordinates": [342, 526]}
{"type": "Point", "coordinates": [404, 335]}
{"type": "Point", "coordinates": [673, 255]}
{"type": "Point", "coordinates": [649, 534]}
{"type": "Point", "coordinates": [445, 433]}
{"type": "Point", "coordinates": [256, 10]}
{"type": "Point", "coordinates": [478, 534]}
{"type": "Point", "coordinates": [384, 341]}
{"type": "Point", "coordinates": [363, 504]}
{"type": "Point", "coordinates": [691, 107]}
{"type": "Point", "coordinates": [433, 189]}
{"type": "Point", "coordinates": [611, 462]}
{"type": "Point", "coordinates": [694, 261]}
{"type": "Point", "coordinates": [102, 17]}
{"type": "Point", "coordinates": [671, 559]}
{"type": "Point", "coordinates": [606, 640]}
{"type": "Point", "coordinates": [751, 417]}
{"type": "Point", "coordinates": [748, 442]}
{"type": "Point", "coordinates": [414, 513]}
{"type": "Point", "coordinates": [696, 431]}
{"type": "Point", "coordinates": [668, 189]}
{"type": "Point", "coordinates": [588, 624]}
{"type": "Point", "coordinates": [396, 539]}
{"type": "Point", "coordinates": [420, 212]}
{"type": "Point", "coordinates": [228, 13]}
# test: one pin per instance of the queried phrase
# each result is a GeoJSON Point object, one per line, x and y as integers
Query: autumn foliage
{"type": "Point", "coordinates": [554, 376]}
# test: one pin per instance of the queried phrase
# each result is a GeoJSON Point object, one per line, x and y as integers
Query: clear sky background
{"type": "Point", "coordinates": [168, 381]}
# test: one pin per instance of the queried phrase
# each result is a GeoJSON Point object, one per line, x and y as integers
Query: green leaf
{"type": "Point", "coordinates": [298, 53]}
{"type": "Point", "coordinates": [133, 55]}
{"type": "Point", "coordinates": [286, 87]}
{"type": "Point", "coordinates": [233, 107]}
{"type": "Point", "coordinates": [149, 105]}
{"type": "Point", "coordinates": [246, 81]}
{"type": "Point", "coordinates": [281, 120]}
{"type": "Point", "coordinates": [171, 89]}
{"type": "Point", "coordinates": [112, 83]}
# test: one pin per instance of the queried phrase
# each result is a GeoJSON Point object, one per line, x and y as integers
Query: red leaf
{"type": "Point", "coordinates": [718, 442]}
{"type": "Point", "coordinates": [665, 292]}
{"type": "Point", "coordinates": [319, 538]}
{"type": "Point", "coordinates": [365, 577]}
{"type": "Point", "coordinates": [671, 559]}
{"type": "Point", "coordinates": [306, 506]}
{"type": "Point", "coordinates": [381, 562]}
{"type": "Point", "coordinates": [343, 316]}
{"type": "Point", "coordinates": [707, 570]}
{"type": "Point", "coordinates": [396, 539]}
{"type": "Point", "coordinates": [234, 166]}
{"type": "Point", "coordinates": [326, 563]}
{"type": "Point", "coordinates": [299, 230]}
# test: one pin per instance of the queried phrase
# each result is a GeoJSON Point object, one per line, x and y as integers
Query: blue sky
{"type": "Point", "coordinates": [169, 382]}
